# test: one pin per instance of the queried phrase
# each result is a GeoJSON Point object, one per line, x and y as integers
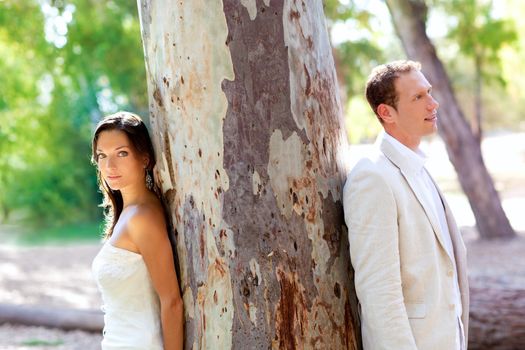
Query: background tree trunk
{"type": "Point", "coordinates": [476, 125]}
{"type": "Point", "coordinates": [463, 149]}
{"type": "Point", "coordinates": [247, 126]}
{"type": "Point", "coordinates": [53, 317]}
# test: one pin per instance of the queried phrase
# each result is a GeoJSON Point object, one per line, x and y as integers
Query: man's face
{"type": "Point", "coordinates": [416, 113]}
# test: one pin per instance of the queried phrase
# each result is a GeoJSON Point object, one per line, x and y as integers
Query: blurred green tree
{"type": "Point", "coordinates": [480, 36]}
{"type": "Point", "coordinates": [355, 53]}
{"type": "Point", "coordinates": [64, 65]}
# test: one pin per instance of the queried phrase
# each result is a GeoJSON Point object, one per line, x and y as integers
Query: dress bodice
{"type": "Point", "coordinates": [131, 305]}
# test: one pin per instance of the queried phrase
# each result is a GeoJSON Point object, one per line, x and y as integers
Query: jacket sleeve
{"type": "Point", "coordinates": [371, 217]}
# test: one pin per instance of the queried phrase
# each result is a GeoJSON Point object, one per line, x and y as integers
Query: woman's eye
{"type": "Point", "coordinates": [101, 156]}
{"type": "Point", "coordinates": [122, 153]}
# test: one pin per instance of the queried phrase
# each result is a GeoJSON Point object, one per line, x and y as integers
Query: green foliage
{"type": "Point", "coordinates": [64, 65]}
{"type": "Point", "coordinates": [479, 34]}
{"type": "Point", "coordinates": [357, 58]}
{"type": "Point", "coordinates": [336, 10]}
{"type": "Point", "coordinates": [361, 122]}
{"type": "Point", "coordinates": [354, 58]}
{"type": "Point", "coordinates": [82, 231]}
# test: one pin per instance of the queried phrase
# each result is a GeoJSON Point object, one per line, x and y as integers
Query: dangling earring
{"type": "Point", "coordinates": [149, 180]}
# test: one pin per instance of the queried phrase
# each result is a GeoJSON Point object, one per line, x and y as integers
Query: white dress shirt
{"type": "Point", "coordinates": [417, 161]}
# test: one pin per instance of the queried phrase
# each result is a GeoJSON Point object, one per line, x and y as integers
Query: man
{"type": "Point", "coordinates": [406, 250]}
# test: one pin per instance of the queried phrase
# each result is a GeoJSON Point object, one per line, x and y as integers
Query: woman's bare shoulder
{"type": "Point", "coordinates": [147, 217]}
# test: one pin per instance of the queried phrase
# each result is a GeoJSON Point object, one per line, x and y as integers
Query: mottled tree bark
{"type": "Point", "coordinates": [247, 126]}
{"type": "Point", "coordinates": [462, 146]}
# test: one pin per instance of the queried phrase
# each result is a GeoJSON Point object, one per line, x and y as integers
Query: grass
{"type": "Point", "coordinates": [73, 233]}
{"type": "Point", "coordinates": [40, 342]}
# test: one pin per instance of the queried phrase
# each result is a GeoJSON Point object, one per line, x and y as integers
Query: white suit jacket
{"type": "Point", "coordinates": [403, 274]}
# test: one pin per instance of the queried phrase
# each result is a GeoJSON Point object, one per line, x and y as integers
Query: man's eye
{"type": "Point", "coordinates": [122, 154]}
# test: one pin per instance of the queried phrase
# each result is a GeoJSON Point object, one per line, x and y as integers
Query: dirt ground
{"type": "Point", "coordinates": [50, 276]}
{"type": "Point", "coordinates": [61, 276]}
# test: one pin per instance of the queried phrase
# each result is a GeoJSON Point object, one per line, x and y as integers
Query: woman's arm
{"type": "Point", "coordinates": [148, 231]}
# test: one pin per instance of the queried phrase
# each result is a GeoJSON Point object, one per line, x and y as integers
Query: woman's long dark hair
{"type": "Point", "coordinates": [138, 135]}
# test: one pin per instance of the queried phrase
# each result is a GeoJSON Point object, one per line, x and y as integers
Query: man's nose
{"type": "Point", "coordinates": [434, 104]}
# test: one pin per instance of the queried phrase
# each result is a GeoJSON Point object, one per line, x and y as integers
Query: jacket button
{"type": "Point", "coordinates": [450, 273]}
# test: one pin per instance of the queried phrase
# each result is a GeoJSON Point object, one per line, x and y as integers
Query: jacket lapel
{"type": "Point", "coordinates": [460, 255]}
{"type": "Point", "coordinates": [455, 236]}
{"type": "Point", "coordinates": [398, 160]}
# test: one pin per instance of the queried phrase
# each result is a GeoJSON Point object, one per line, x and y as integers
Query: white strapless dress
{"type": "Point", "coordinates": [131, 305]}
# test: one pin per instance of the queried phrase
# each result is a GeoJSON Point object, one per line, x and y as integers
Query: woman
{"type": "Point", "coordinates": [134, 269]}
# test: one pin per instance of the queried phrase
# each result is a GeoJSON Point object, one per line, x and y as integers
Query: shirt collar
{"type": "Point", "coordinates": [415, 159]}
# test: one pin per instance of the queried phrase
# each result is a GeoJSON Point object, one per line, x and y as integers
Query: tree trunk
{"type": "Point", "coordinates": [478, 109]}
{"type": "Point", "coordinates": [463, 149]}
{"type": "Point", "coordinates": [497, 320]}
{"type": "Point", "coordinates": [248, 130]}
{"type": "Point", "coordinates": [42, 316]}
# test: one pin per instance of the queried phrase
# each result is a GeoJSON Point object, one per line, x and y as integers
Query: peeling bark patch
{"type": "Point", "coordinates": [337, 290]}
{"type": "Point", "coordinates": [225, 244]}
{"type": "Point", "coordinates": [219, 267]}
{"type": "Point", "coordinates": [352, 338]}
{"type": "Point", "coordinates": [256, 183]}
{"type": "Point", "coordinates": [197, 266]}
{"type": "Point", "coordinates": [286, 162]}
{"type": "Point", "coordinates": [332, 212]}
{"type": "Point", "coordinates": [251, 7]}
{"type": "Point", "coordinates": [308, 87]}
{"type": "Point", "coordinates": [291, 313]}
{"type": "Point", "coordinates": [165, 168]}
{"type": "Point", "coordinates": [202, 243]}
{"type": "Point", "coordinates": [196, 248]}
{"type": "Point", "coordinates": [157, 96]}
{"type": "Point", "coordinates": [252, 310]}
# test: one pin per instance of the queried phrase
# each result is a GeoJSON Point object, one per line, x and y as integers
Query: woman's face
{"type": "Point", "coordinates": [120, 165]}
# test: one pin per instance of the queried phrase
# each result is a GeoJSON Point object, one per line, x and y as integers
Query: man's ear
{"type": "Point", "coordinates": [386, 113]}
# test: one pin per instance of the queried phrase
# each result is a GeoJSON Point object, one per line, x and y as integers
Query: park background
{"type": "Point", "coordinates": [66, 64]}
